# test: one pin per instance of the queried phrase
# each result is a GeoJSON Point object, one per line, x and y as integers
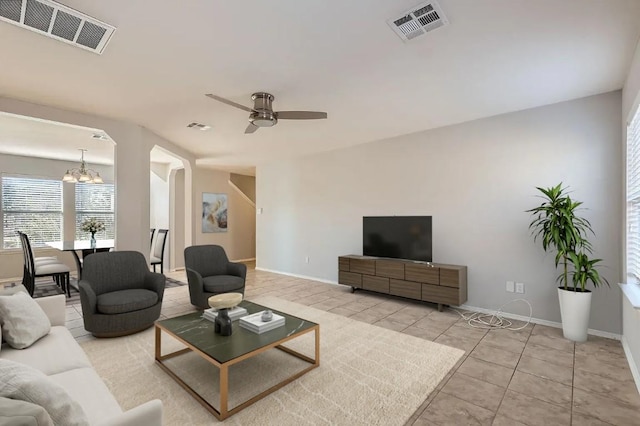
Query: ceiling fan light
{"type": "Point", "coordinates": [263, 123]}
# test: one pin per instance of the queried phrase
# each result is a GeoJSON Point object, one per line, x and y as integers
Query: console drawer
{"type": "Point", "coordinates": [379, 284]}
{"type": "Point", "coordinates": [422, 273]}
{"type": "Point", "coordinates": [349, 278]}
{"type": "Point", "coordinates": [362, 266]}
{"type": "Point", "coordinates": [390, 269]}
{"type": "Point", "coordinates": [343, 264]}
{"type": "Point", "coordinates": [440, 294]}
{"type": "Point", "coordinates": [407, 289]}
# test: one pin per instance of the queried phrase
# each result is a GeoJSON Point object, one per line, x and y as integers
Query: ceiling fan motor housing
{"type": "Point", "coordinates": [263, 115]}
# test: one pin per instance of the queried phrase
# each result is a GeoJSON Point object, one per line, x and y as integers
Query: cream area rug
{"type": "Point", "coordinates": [368, 375]}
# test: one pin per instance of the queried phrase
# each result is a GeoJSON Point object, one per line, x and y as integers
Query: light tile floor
{"type": "Point", "coordinates": [528, 377]}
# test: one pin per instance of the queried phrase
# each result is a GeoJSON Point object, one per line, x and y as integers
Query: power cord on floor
{"type": "Point", "coordinates": [495, 320]}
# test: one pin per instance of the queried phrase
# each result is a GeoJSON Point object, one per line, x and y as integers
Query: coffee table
{"type": "Point", "coordinates": [197, 334]}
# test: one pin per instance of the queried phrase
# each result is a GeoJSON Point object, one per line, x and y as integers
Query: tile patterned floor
{"type": "Point", "coordinates": [527, 377]}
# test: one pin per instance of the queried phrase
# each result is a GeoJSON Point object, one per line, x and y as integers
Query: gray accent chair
{"type": "Point", "coordinates": [209, 272]}
{"type": "Point", "coordinates": [119, 294]}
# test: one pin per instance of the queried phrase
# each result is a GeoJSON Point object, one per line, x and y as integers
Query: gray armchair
{"type": "Point", "coordinates": [119, 294]}
{"type": "Point", "coordinates": [209, 272]}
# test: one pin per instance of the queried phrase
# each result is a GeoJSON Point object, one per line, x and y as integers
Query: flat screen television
{"type": "Point", "coordinates": [398, 237]}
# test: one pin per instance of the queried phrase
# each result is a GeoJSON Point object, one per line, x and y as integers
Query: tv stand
{"type": "Point", "coordinates": [430, 282]}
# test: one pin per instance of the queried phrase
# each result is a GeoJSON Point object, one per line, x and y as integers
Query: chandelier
{"type": "Point", "coordinates": [82, 174]}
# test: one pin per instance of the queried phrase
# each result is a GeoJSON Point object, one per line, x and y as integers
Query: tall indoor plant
{"type": "Point", "coordinates": [559, 227]}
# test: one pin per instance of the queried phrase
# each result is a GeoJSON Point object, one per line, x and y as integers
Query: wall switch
{"type": "Point", "coordinates": [306, 259]}
{"type": "Point", "coordinates": [259, 211]}
{"type": "Point", "coordinates": [520, 288]}
{"type": "Point", "coordinates": [510, 286]}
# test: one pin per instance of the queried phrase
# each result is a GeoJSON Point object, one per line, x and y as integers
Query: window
{"type": "Point", "coordinates": [95, 201]}
{"type": "Point", "coordinates": [633, 198]}
{"type": "Point", "coordinates": [33, 206]}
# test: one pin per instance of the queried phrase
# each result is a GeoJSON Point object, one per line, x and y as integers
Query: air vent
{"type": "Point", "coordinates": [418, 21]}
{"type": "Point", "coordinates": [59, 22]}
{"type": "Point", "coordinates": [198, 126]}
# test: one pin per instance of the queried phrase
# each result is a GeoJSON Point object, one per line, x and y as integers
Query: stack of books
{"type": "Point", "coordinates": [255, 324]}
{"type": "Point", "coordinates": [234, 314]}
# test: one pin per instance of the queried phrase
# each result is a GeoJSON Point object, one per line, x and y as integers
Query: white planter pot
{"type": "Point", "coordinates": [574, 309]}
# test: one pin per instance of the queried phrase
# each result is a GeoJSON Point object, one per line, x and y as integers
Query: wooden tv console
{"type": "Point", "coordinates": [430, 282]}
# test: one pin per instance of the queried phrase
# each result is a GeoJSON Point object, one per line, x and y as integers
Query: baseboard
{"type": "Point", "coordinates": [304, 277]}
{"type": "Point", "coordinates": [632, 365]}
{"type": "Point", "coordinates": [251, 259]}
{"type": "Point", "coordinates": [554, 324]}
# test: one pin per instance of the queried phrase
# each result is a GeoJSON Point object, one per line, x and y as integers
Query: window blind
{"type": "Point", "coordinates": [95, 201]}
{"type": "Point", "coordinates": [33, 206]}
{"type": "Point", "coordinates": [633, 199]}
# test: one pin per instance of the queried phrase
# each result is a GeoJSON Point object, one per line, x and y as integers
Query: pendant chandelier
{"type": "Point", "coordinates": [82, 174]}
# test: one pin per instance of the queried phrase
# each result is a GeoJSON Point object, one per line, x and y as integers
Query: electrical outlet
{"type": "Point", "coordinates": [510, 286]}
{"type": "Point", "coordinates": [306, 259]}
{"type": "Point", "coordinates": [520, 288]}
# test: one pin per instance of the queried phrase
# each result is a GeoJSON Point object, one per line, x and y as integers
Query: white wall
{"type": "Point", "coordinates": [476, 179]}
{"type": "Point", "coordinates": [177, 216]}
{"type": "Point", "coordinates": [631, 316]}
{"type": "Point", "coordinates": [239, 240]}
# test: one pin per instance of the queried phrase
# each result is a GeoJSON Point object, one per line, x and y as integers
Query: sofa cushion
{"type": "Point", "coordinates": [23, 320]}
{"type": "Point", "coordinates": [222, 283]}
{"type": "Point", "coordinates": [87, 389]}
{"type": "Point", "coordinates": [14, 412]}
{"type": "Point", "coordinates": [118, 302]}
{"type": "Point", "coordinates": [55, 352]}
{"type": "Point", "coordinates": [19, 381]}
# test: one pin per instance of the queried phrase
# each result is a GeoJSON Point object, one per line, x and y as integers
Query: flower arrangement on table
{"type": "Point", "coordinates": [92, 225]}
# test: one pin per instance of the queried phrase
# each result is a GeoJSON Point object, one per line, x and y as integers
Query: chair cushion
{"type": "Point", "coordinates": [51, 268]}
{"type": "Point", "coordinates": [155, 260]}
{"type": "Point", "coordinates": [23, 320]}
{"type": "Point", "coordinates": [121, 301]}
{"type": "Point", "coordinates": [222, 283]}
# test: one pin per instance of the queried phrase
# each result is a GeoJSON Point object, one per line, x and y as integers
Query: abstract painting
{"type": "Point", "coordinates": [214, 212]}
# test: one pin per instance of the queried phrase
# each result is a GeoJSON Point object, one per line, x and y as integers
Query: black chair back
{"type": "Point", "coordinates": [153, 231]}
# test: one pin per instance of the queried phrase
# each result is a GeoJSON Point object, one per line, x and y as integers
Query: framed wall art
{"type": "Point", "coordinates": [214, 212]}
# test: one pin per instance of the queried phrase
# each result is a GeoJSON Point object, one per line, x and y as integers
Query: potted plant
{"type": "Point", "coordinates": [556, 223]}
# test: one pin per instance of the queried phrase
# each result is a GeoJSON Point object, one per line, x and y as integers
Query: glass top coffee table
{"type": "Point", "coordinates": [197, 334]}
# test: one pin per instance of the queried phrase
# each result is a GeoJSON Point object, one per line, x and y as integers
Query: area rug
{"type": "Point", "coordinates": [368, 375]}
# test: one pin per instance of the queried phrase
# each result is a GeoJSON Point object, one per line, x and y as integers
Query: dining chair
{"type": "Point", "coordinates": [153, 231]}
{"type": "Point", "coordinates": [55, 269]}
{"type": "Point", "coordinates": [157, 253]}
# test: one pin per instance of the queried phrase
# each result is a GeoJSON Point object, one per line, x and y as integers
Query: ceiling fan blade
{"type": "Point", "coordinates": [251, 128]}
{"type": "Point", "coordinates": [300, 115]}
{"type": "Point", "coordinates": [228, 102]}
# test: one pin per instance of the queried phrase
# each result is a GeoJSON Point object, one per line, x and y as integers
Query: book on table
{"type": "Point", "coordinates": [255, 324]}
{"type": "Point", "coordinates": [235, 313]}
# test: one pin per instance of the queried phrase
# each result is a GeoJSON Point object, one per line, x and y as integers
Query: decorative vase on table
{"type": "Point", "coordinates": [93, 240]}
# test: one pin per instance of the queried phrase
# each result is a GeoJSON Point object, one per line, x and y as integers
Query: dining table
{"type": "Point", "coordinates": [85, 247]}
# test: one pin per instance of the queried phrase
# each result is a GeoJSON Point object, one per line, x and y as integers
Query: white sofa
{"type": "Point", "coordinates": [62, 359]}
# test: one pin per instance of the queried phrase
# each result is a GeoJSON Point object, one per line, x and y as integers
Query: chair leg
{"type": "Point", "coordinates": [162, 267]}
{"type": "Point", "coordinates": [67, 277]}
{"type": "Point", "coordinates": [154, 267]}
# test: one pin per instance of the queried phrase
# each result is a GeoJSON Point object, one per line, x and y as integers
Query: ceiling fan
{"type": "Point", "coordinates": [262, 113]}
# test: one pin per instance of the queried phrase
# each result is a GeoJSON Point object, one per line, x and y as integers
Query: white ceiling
{"type": "Point", "coordinates": [337, 56]}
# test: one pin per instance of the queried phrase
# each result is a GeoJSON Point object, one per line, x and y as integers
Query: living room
{"type": "Point", "coordinates": [461, 124]}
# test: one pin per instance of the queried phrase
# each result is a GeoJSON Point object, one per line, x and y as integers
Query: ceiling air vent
{"type": "Point", "coordinates": [59, 22]}
{"type": "Point", "coordinates": [418, 21]}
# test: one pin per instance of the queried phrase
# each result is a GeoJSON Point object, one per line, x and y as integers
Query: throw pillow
{"type": "Point", "coordinates": [14, 412]}
{"type": "Point", "coordinates": [23, 320]}
{"type": "Point", "coordinates": [19, 381]}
